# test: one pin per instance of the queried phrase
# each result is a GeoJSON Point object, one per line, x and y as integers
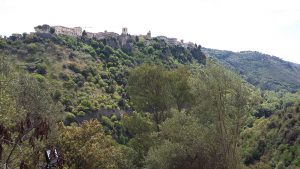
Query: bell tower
{"type": "Point", "coordinates": [124, 31]}
{"type": "Point", "coordinates": [149, 34]}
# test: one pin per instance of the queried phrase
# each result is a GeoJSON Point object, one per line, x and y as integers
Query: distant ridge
{"type": "Point", "coordinates": [264, 71]}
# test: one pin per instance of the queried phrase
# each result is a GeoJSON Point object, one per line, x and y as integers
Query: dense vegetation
{"type": "Point", "coordinates": [133, 102]}
{"type": "Point", "coordinates": [264, 71]}
{"type": "Point", "coordinates": [272, 141]}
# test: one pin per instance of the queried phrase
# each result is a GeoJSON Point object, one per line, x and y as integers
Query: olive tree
{"type": "Point", "coordinates": [27, 113]}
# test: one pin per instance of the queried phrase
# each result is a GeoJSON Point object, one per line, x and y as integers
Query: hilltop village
{"type": "Point", "coordinates": [78, 32]}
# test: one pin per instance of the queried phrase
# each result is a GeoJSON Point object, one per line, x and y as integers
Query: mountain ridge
{"type": "Point", "coordinates": [262, 70]}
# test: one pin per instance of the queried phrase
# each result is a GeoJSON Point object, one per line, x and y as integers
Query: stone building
{"type": "Point", "coordinates": [103, 35]}
{"type": "Point", "coordinates": [149, 35]}
{"type": "Point", "coordinates": [124, 31]}
{"type": "Point", "coordinates": [90, 34]}
{"type": "Point", "coordinates": [170, 41]}
{"type": "Point", "coordinates": [77, 31]}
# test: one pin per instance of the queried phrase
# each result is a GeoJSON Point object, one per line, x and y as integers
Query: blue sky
{"type": "Point", "coordinates": [268, 26]}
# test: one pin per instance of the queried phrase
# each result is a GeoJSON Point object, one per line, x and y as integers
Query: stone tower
{"type": "Point", "coordinates": [149, 34]}
{"type": "Point", "coordinates": [124, 31]}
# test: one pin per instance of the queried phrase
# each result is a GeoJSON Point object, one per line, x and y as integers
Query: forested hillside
{"type": "Point", "coordinates": [134, 102]}
{"type": "Point", "coordinates": [88, 74]}
{"type": "Point", "coordinates": [262, 70]}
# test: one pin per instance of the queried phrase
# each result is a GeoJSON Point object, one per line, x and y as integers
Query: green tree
{"type": "Point", "coordinates": [182, 145]}
{"type": "Point", "coordinates": [222, 101]}
{"type": "Point", "coordinates": [179, 87]}
{"type": "Point", "coordinates": [149, 91]}
{"type": "Point", "coordinates": [87, 146]}
{"type": "Point", "coordinates": [140, 128]}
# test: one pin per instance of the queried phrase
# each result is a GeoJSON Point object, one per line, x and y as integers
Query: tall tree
{"type": "Point", "coordinates": [140, 128]}
{"type": "Point", "coordinates": [149, 91]}
{"type": "Point", "coordinates": [222, 103]}
{"type": "Point", "coordinates": [181, 145]}
{"type": "Point", "coordinates": [180, 88]}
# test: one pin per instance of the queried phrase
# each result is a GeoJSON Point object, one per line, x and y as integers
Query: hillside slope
{"type": "Point", "coordinates": [89, 75]}
{"type": "Point", "coordinates": [275, 140]}
{"type": "Point", "coordinates": [262, 70]}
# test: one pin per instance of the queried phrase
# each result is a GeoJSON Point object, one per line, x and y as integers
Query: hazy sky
{"type": "Point", "coordinates": [268, 26]}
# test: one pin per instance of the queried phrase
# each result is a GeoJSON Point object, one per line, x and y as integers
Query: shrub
{"type": "Point", "coordinates": [56, 95]}
{"type": "Point", "coordinates": [107, 122]}
{"type": "Point", "coordinates": [89, 50]}
{"type": "Point", "coordinates": [114, 118]}
{"type": "Point", "coordinates": [102, 83]}
{"type": "Point", "coordinates": [79, 80]}
{"type": "Point", "coordinates": [81, 113]}
{"type": "Point", "coordinates": [41, 69]}
{"type": "Point", "coordinates": [86, 103]}
{"type": "Point", "coordinates": [32, 47]}
{"type": "Point", "coordinates": [63, 76]}
{"type": "Point", "coordinates": [70, 116]}
{"type": "Point", "coordinates": [2, 44]}
{"type": "Point", "coordinates": [110, 89]}
{"type": "Point", "coordinates": [39, 77]}
{"type": "Point", "coordinates": [107, 51]}
{"type": "Point", "coordinates": [69, 84]}
{"type": "Point", "coordinates": [74, 67]}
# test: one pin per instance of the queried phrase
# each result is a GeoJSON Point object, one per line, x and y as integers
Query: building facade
{"type": "Point", "coordinates": [75, 32]}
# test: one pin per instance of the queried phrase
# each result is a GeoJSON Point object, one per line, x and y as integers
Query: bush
{"type": "Point", "coordinates": [113, 70]}
{"type": "Point", "coordinates": [32, 47]}
{"type": "Point", "coordinates": [79, 80]}
{"type": "Point", "coordinates": [110, 89]}
{"type": "Point", "coordinates": [2, 44]}
{"type": "Point", "coordinates": [114, 118]}
{"type": "Point", "coordinates": [56, 95]}
{"type": "Point", "coordinates": [74, 67]}
{"type": "Point", "coordinates": [102, 83]}
{"type": "Point", "coordinates": [81, 113]}
{"type": "Point", "coordinates": [69, 84]}
{"type": "Point", "coordinates": [86, 103]}
{"type": "Point", "coordinates": [107, 122]}
{"type": "Point", "coordinates": [150, 50]}
{"type": "Point", "coordinates": [39, 77]}
{"type": "Point", "coordinates": [70, 116]}
{"type": "Point", "coordinates": [107, 51]}
{"type": "Point", "coordinates": [89, 50]}
{"type": "Point", "coordinates": [41, 69]}
{"type": "Point", "coordinates": [63, 76]}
